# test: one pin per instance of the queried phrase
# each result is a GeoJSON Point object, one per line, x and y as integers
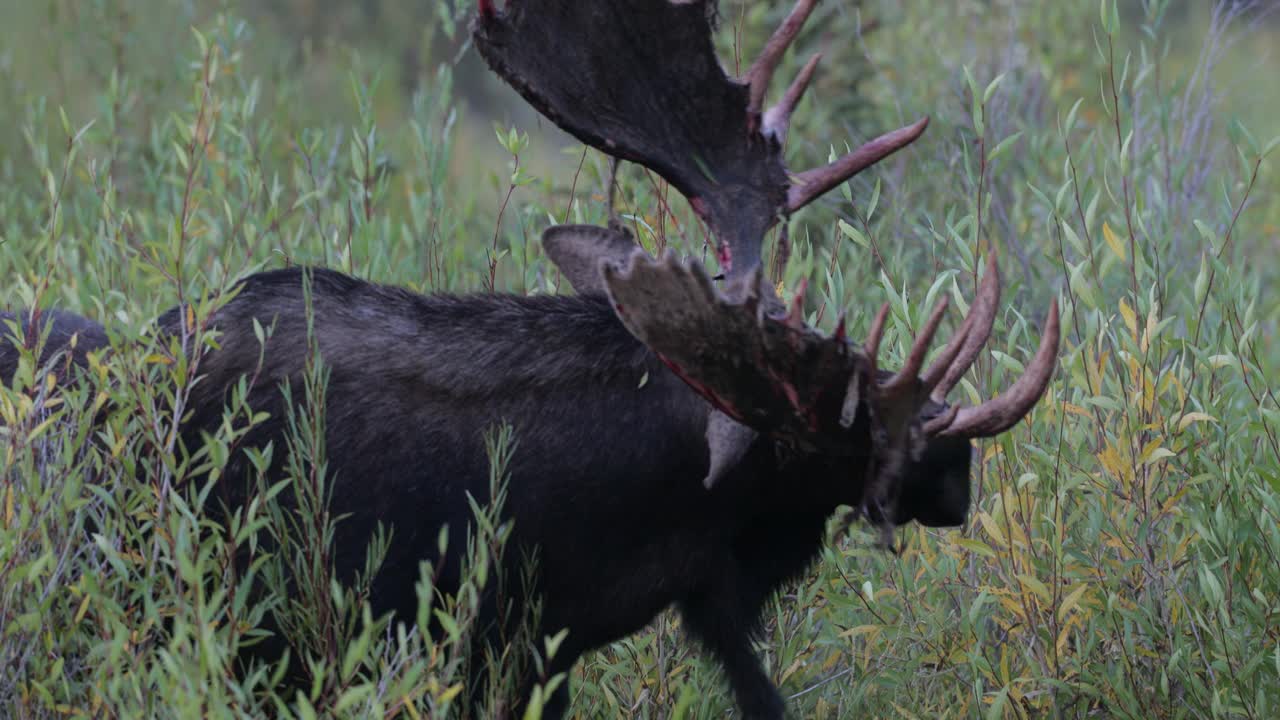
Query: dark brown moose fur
{"type": "Point", "coordinates": [70, 339]}
{"type": "Point", "coordinates": [606, 480]}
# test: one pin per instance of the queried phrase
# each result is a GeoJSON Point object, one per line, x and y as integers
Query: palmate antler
{"type": "Point", "coordinates": [639, 80]}
{"type": "Point", "coordinates": [770, 371]}
{"type": "Point", "coordinates": [766, 371]}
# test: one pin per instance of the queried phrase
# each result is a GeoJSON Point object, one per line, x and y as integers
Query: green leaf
{"type": "Point", "coordinates": [352, 696]}
{"type": "Point", "coordinates": [1275, 142]}
{"type": "Point", "coordinates": [973, 85]}
{"type": "Point", "coordinates": [875, 199]}
{"type": "Point", "coordinates": [554, 642]}
{"type": "Point", "coordinates": [82, 131]}
{"type": "Point", "coordinates": [991, 88]}
{"type": "Point", "coordinates": [854, 234]}
{"type": "Point", "coordinates": [1004, 145]}
{"type": "Point", "coordinates": [1110, 17]}
{"type": "Point", "coordinates": [978, 126]}
{"type": "Point", "coordinates": [1073, 239]}
{"type": "Point", "coordinates": [1071, 117]}
{"type": "Point", "coordinates": [1206, 233]}
{"type": "Point", "coordinates": [304, 708]}
{"type": "Point", "coordinates": [996, 711]}
{"type": "Point", "coordinates": [355, 653]}
{"type": "Point", "coordinates": [1124, 153]}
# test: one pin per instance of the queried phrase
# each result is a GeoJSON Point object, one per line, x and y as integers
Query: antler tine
{"type": "Point", "coordinates": [944, 373]}
{"type": "Point", "coordinates": [812, 183]}
{"type": "Point", "coordinates": [947, 357]}
{"type": "Point", "coordinates": [762, 69]}
{"type": "Point", "coordinates": [777, 119]}
{"type": "Point", "coordinates": [707, 141]}
{"type": "Point", "coordinates": [918, 349]}
{"type": "Point", "coordinates": [939, 423]}
{"type": "Point", "coordinates": [872, 347]}
{"type": "Point", "coordinates": [999, 414]}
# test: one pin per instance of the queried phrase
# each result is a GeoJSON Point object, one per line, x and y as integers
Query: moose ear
{"type": "Point", "coordinates": [578, 251]}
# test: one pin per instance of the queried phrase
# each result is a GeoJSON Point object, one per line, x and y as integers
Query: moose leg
{"type": "Point", "coordinates": [722, 622]}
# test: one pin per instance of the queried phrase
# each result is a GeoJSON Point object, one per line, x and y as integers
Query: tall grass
{"type": "Point", "coordinates": [1121, 558]}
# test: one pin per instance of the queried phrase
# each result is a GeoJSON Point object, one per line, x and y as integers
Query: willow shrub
{"type": "Point", "coordinates": [1121, 556]}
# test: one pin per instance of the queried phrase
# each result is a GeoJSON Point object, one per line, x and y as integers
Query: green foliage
{"type": "Point", "coordinates": [1122, 554]}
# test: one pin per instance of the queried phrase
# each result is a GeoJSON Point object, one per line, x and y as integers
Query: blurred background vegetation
{"type": "Point", "coordinates": [1123, 557]}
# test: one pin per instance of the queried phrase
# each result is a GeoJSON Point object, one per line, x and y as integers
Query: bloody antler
{"type": "Point", "coordinates": [741, 351]}
{"type": "Point", "coordinates": [761, 365]}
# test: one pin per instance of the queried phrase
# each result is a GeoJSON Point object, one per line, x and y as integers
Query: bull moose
{"type": "Point", "coordinates": [683, 440]}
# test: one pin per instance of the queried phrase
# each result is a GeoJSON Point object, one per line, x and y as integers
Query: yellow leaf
{"type": "Point", "coordinates": [1015, 693]}
{"type": "Point", "coordinates": [1191, 417]}
{"type": "Point", "coordinates": [1150, 450]}
{"type": "Point", "coordinates": [860, 630]}
{"type": "Point", "coordinates": [1113, 242]}
{"type": "Point", "coordinates": [831, 661]}
{"type": "Point", "coordinates": [791, 670]}
{"type": "Point", "coordinates": [1062, 640]}
{"type": "Point", "coordinates": [1034, 585]}
{"type": "Point", "coordinates": [84, 608]}
{"type": "Point", "coordinates": [976, 546]}
{"type": "Point", "coordinates": [1113, 463]}
{"type": "Point", "coordinates": [1075, 409]}
{"type": "Point", "coordinates": [1168, 507]}
{"type": "Point", "coordinates": [1135, 370]}
{"type": "Point", "coordinates": [1130, 320]}
{"type": "Point", "coordinates": [992, 529]}
{"type": "Point", "coordinates": [39, 429]}
{"type": "Point", "coordinates": [1071, 601]}
{"type": "Point", "coordinates": [1148, 394]}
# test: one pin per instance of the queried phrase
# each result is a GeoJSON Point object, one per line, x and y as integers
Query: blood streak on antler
{"type": "Point", "coordinates": [773, 373]}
